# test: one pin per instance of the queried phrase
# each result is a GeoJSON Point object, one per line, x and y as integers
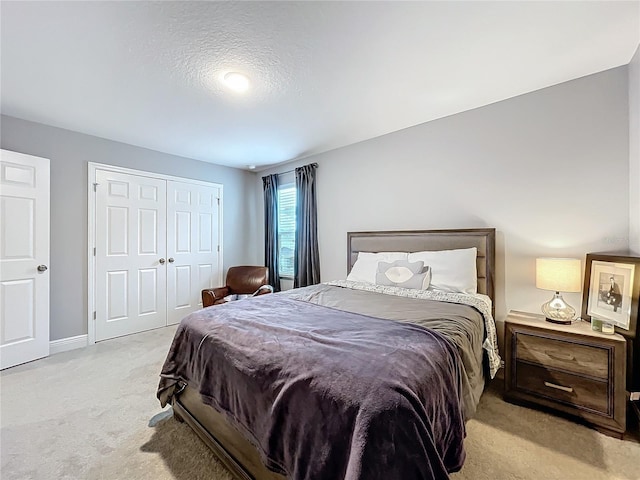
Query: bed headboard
{"type": "Point", "coordinates": [484, 239]}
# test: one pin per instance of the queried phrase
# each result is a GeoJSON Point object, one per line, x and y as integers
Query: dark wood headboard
{"type": "Point", "coordinates": [484, 239]}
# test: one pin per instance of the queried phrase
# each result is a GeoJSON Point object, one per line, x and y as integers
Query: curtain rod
{"type": "Point", "coordinates": [293, 169]}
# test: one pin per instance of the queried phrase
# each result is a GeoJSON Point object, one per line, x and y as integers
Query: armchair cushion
{"type": "Point", "coordinates": [246, 279]}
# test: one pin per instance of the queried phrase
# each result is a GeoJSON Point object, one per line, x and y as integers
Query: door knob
{"type": "Point", "coordinates": [42, 268]}
{"type": "Point", "coordinates": [171, 260]}
{"type": "Point", "coordinates": [161, 261]}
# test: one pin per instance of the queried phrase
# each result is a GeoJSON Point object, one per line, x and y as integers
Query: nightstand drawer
{"type": "Point", "coordinates": [563, 387]}
{"type": "Point", "coordinates": [569, 356]}
{"type": "Point", "coordinates": [568, 368]}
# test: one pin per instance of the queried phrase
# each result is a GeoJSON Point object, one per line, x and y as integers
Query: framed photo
{"type": "Point", "coordinates": [611, 290]}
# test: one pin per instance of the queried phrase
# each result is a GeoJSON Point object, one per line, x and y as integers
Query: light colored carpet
{"type": "Point", "coordinates": [92, 414]}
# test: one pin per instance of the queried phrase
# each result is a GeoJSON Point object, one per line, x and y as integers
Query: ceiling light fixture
{"type": "Point", "coordinates": [236, 81]}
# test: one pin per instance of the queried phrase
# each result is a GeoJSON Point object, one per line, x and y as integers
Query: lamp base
{"type": "Point", "coordinates": [559, 322]}
{"type": "Point", "coordinates": [558, 311]}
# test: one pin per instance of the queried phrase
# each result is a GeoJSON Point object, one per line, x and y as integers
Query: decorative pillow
{"type": "Point", "coordinates": [364, 270]}
{"type": "Point", "coordinates": [451, 270]}
{"type": "Point", "coordinates": [403, 273]}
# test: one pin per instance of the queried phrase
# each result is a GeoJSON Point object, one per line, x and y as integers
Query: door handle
{"type": "Point", "coordinates": [42, 268]}
{"type": "Point", "coordinates": [558, 387]}
{"type": "Point", "coordinates": [171, 260]}
{"type": "Point", "coordinates": [161, 261]}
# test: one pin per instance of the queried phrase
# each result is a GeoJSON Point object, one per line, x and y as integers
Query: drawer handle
{"type": "Point", "coordinates": [566, 357]}
{"type": "Point", "coordinates": [558, 387]}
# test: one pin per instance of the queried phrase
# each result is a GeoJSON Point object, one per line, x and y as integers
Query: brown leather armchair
{"type": "Point", "coordinates": [243, 280]}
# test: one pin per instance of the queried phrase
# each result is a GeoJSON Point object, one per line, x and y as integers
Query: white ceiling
{"type": "Point", "coordinates": [323, 74]}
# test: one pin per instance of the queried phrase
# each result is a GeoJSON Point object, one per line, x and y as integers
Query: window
{"type": "Point", "coordinates": [286, 228]}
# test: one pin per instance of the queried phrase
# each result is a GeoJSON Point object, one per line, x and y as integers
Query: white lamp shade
{"type": "Point", "coordinates": [558, 274]}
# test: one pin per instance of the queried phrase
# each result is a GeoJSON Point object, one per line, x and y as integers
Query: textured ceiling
{"type": "Point", "coordinates": [323, 74]}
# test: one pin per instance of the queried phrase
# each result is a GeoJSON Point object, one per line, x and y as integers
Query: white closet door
{"type": "Point", "coordinates": [24, 258]}
{"type": "Point", "coordinates": [130, 285]}
{"type": "Point", "coordinates": [192, 246]}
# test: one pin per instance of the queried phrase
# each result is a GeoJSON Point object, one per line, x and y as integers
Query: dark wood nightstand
{"type": "Point", "coordinates": [568, 368]}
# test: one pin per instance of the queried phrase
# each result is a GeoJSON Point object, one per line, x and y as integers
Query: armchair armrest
{"type": "Point", "coordinates": [264, 289]}
{"type": "Point", "coordinates": [212, 295]}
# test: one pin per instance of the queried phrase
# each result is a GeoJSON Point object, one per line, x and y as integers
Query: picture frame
{"type": "Point", "coordinates": [611, 291]}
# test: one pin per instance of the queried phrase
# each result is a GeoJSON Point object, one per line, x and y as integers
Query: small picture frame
{"type": "Point", "coordinates": [611, 290]}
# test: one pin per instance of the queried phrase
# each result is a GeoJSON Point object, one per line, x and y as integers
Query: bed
{"type": "Point", "coordinates": [280, 386]}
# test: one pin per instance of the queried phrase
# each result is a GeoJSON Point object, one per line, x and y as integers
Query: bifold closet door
{"type": "Point", "coordinates": [192, 246]}
{"type": "Point", "coordinates": [130, 281]}
{"type": "Point", "coordinates": [24, 258]}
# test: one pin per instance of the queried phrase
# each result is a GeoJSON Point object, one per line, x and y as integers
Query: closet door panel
{"type": "Point", "coordinates": [130, 284]}
{"type": "Point", "coordinates": [192, 246]}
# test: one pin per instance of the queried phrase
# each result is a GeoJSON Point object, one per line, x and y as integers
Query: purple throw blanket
{"type": "Point", "coordinates": [322, 393]}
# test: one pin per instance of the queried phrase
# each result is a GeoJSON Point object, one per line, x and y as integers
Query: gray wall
{"type": "Point", "coordinates": [547, 169]}
{"type": "Point", "coordinates": [634, 153]}
{"type": "Point", "coordinates": [70, 153]}
{"type": "Point", "coordinates": [543, 168]}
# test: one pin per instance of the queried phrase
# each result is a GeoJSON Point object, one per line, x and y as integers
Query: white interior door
{"type": "Point", "coordinates": [192, 246]}
{"type": "Point", "coordinates": [24, 258]}
{"type": "Point", "coordinates": [130, 235]}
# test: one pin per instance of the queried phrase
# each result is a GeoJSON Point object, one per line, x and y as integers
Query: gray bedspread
{"type": "Point", "coordinates": [334, 393]}
{"type": "Point", "coordinates": [461, 324]}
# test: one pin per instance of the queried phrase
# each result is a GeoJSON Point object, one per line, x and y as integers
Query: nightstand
{"type": "Point", "coordinates": [567, 368]}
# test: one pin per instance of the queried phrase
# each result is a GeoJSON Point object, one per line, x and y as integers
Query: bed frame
{"type": "Point", "coordinates": [239, 456]}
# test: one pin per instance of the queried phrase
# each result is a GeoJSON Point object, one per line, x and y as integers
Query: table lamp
{"type": "Point", "coordinates": [558, 275]}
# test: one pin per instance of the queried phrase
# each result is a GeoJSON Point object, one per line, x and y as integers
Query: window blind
{"type": "Point", "coordinates": [286, 228]}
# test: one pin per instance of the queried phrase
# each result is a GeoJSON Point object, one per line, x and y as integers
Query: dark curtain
{"type": "Point", "coordinates": [306, 257]}
{"type": "Point", "coordinates": [270, 185]}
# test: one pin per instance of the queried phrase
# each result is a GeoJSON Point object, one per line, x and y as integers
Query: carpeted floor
{"type": "Point", "coordinates": [92, 414]}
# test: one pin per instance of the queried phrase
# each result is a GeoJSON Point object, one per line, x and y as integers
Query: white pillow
{"type": "Point", "coordinates": [451, 270]}
{"type": "Point", "coordinates": [366, 266]}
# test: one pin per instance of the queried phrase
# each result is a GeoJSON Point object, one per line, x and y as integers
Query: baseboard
{"type": "Point", "coordinates": [66, 344]}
